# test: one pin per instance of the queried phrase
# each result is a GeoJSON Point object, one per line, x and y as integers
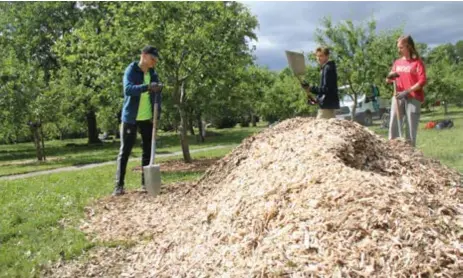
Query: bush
{"type": "Point", "coordinates": [271, 118]}
{"type": "Point", "coordinates": [224, 122]}
{"type": "Point", "coordinates": [245, 121]}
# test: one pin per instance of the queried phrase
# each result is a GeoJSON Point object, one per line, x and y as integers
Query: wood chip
{"type": "Point", "coordinates": [307, 197]}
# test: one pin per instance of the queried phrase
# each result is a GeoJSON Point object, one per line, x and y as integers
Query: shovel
{"type": "Point", "coordinates": [296, 62]}
{"type": "Point", "coordinates": [152, 172]}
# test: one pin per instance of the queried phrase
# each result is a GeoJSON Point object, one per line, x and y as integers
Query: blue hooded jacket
{"type": "Point", "coordinates": [133, 88]}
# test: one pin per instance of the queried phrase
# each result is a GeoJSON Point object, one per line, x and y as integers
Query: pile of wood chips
{"type": "Point", "coordinates": [321, 198]}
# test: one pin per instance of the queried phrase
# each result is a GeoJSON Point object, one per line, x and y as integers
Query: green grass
{"type": "Point", "coordinates": [33, 208]}
{"type": "Point", "coordinates": [445, 145]}
{"type": "Point", "coordinates": [16, 159]}
{"type": "Point", "coordinates": [20, 158]}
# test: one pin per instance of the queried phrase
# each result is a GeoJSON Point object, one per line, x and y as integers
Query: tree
{"type": "Point", "coordinates": [285, 98]}
{"type": "Point", "coordinates": [383, 52]}
{"type": "Point", "coordinates": [201, 36]}
{"type": "Point", "coordinates": [248, 87]}
{"type": "Point", "coordinates": [363, 57]}
{"type": "Point", "coordinates": [349, 44]}
{"type": "Point", "coordinates": [28, 32]}
{"type": "Point", "coordinates": [90, 56]}
{"type": "Point", "coordinates": [444, 76]}
{"type": "Point", "coordinates": [459, 50]}
{"type": "Point", "coordinates": [20, 99]}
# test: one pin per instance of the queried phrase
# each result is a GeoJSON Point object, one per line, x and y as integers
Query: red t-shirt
{"type": "Point", "coordinates": [411, 72]}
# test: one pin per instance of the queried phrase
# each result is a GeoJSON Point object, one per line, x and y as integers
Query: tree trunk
{"type": "Point", "coordinates": [61, 131]}
{"type": "Point", "coordinates": [38, 148]}
{"type": "Point", "coordinates": [36, 137]}
{"type": "Point", "coordinates": [427, 106]}
{"type": "Point", "coordinates": [43, 143]}
{"type": "Point", "coordinates": [16, 136]}
{"type": "Point", "coordinates": [184, 136]}
{"type": "Point", "coordinates": [92, 128]}
{"type": "Point", "coordinates": [183, 126]}
{"type": "Point", "coordinates": [354, 108]}
{"type": "Point", "coordinates": [253, 119]}
{"type": "Point", "coordinates": [190, 125]}
{"type": "Point", "coordinates": [446, 108]}
{"type": "Point", "coordinates": [200, 127]}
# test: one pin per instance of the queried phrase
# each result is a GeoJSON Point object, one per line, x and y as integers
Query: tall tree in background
{"type": "Point", "coordinates": [382, 51]}
{"type": "Point", "coordinates": [27, 32]}
{"type": "Point", "coordinates": [91, 56]}
{"type": "Point", "coordinates": [201, 36]}
{"type": "Point", "coordinates": [444, 76]}
{"type": "Point", "coordinates": [195, 39]}
{"type": "Point", "coordinates": [254, 82]}
{"type": "Point", "coordinates": [363, 56]}
{"type": "Point", "coordinates": [285, 98]}
{"type": "Point", "coordinates": [349, 44]}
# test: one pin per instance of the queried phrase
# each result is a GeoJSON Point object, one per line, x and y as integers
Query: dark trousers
{"type": "Point", "coordinates": [128, 137]}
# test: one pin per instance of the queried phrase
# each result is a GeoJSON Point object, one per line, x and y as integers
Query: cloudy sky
{"type": "Point", "coordinates": [290, 25]}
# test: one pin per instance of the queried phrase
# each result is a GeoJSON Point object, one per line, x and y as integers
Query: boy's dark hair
{"type": "Point", "coordinates": [324, 50]}
{"type": "Point", "coordinates": [150, 50]}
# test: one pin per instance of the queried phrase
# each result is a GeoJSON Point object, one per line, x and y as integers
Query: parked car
{"type": "Point", "coordinates": [369, 107]}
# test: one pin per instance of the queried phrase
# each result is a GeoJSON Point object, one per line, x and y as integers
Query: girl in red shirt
{"type": "Point", "coordinates": [409, 88]}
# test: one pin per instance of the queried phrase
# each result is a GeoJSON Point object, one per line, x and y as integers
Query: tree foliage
{"type": "Point", "coordinates": [62, 65]}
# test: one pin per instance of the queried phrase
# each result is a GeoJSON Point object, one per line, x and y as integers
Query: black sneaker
{"type": "Point", "coordinates": [119, 190]}
{"type": "Point", "coordinates": [143, 189]}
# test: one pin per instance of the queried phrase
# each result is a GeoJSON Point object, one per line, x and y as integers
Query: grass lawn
{"type": "Point", "coordinates": [31, 230]}
{"type": "Point", "coordinates": [20, 158]}
{"type": "Point", "coordinates": [445, 145]}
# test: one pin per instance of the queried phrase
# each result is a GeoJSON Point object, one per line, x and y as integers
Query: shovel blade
{"type": "Point", "coordinates": [152, 175]}
{"type": "Point", "coordinates": [296, 62]}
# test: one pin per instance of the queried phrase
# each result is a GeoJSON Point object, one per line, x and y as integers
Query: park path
{"type": "Point", "coordinates": [94, 165]}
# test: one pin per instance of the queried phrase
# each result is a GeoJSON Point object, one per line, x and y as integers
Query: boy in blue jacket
{"type": "Point", "coordinates": [327, 92]}
{"type": "Point", "coordinates": [142, 90]}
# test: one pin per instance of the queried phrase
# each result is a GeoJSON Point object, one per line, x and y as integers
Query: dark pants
{"type": "Point", "coordinates": [128, 137]}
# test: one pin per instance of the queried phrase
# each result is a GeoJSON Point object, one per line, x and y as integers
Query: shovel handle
{"type": "Point", "coordinates": [311, 99]}
{"type": "Point", "coordinates": [397, 111]}
{"type": "Point", "coordinates": [153, 135]}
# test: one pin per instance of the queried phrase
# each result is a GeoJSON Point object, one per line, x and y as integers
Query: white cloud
{"type": "Point", "coordinates": [291, 25]}
{"type": "Point", "coordinates": [266, 43]}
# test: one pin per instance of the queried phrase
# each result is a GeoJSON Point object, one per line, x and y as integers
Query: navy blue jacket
{"type": "Point", "coordinates": [133, 87]}
{"type": "Point", "coordinates": [328, 89]}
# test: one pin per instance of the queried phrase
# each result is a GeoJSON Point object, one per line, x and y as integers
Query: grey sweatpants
{"type": "Point", "coordinates": [410, 113]}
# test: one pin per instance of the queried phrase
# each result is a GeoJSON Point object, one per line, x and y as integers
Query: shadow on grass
{"type": "Point", "coordinates": [75, 161]}
{"type": "Point", "coordinates": [55, 150]}
{"type": "Point", "coordinates": [65, 150]}
{"type": "Point", "coordinates": [67, 147]}
{"type": "Point", "coordinates": [222, 137]}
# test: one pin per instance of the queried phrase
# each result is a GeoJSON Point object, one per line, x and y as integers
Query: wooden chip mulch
{"type": "Point", "coordinates": [305, 198]}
